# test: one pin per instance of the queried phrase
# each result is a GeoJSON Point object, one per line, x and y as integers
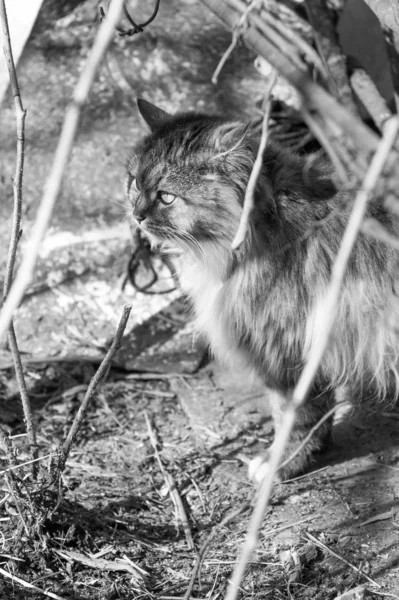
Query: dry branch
{"type": "Point", "coordinates": [249, 200]}
{"type": "Point", "coordinates": [326, 311]}
{"type": "Point", "coordinates": [94, 383]}
{"type": "Point", "coordinates": [19, 167]}
{"type": "Point", "coordinates": [327, 42]}
{"type": "Point", "coordinates": [314, 97]}
{"type": "Point", "coordinates": [62, 153]}
{"type": "Point", "coordinates": [16, 229]}
{"type": "Point", "coordinates": [367, 92]}
{"type": "Point", "coordinates": [28, 585]}
{"type": "Point", "coordinates": [320, 544]}
{"type": "Point", "coordinates": [171, 484]}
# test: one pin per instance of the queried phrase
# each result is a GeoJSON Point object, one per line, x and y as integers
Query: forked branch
{"type": "Point", "coordinates": [94, 383]}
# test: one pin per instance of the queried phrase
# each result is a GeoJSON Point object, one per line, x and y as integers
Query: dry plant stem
{"type": "Point", "coordinates": [25, 584]}
{"type": "Point", "coordinates": [373, 228]}
{"type": "Point", "coordinates": [11, 488]}
{"type": "Point", "coordinates": [14, 465]}
{"type": "Point", "coordinates": [313, 95]}
{"type": "Point", "coordinates": [27, 410]}
{"type": "Point", "coordinates": [62, 153]}
{"type": "Point", "coordinates": [327, 549]}
{"type": "Point", "coordinates": [327, 42]}
{"type": "Point", "coordinates": [313, 122]}
{"type": "Point", "coordinates": [204, 548]}
{"type": "Point", "coordinates": [311, 433]}
{"type": "Point", "coordinates": [15, 228]}
{"type": "Point", "coordinates": [366, 90]}
{"type": "Point", "coordinates": [172, 488]}
{"type": "Point", "coordinates": [294, 38]}
{"type": "Point", "coordinates": [19, 168]}
{"type": "Point", "coordinates": [249, 199]}
{"type": "Point", "coordinates": [236, 34]}
{"type": "Point", "coordinates": [274, 36]}
{"type": "Point", "coordinates": [94, 383]}
{"type": "Point", "coordinates": [7, 443]}
{"type": "Point", "coordinates": [325, 311]}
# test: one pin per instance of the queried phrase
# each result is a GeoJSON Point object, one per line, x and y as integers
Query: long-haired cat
{"type": "Point", "coordinates": [256, 306]}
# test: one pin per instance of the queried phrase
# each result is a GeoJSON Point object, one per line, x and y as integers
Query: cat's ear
{"type": "Point", "coordinates": [154, 117]}
{"type": "Point", "coordinates": [228, 136]}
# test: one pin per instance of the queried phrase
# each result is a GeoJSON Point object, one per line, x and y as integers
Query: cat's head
{"type": "Point", "coordinates": [186, 180]}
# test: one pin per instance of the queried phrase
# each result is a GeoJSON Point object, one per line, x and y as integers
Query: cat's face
{"type": "Point", "coordinates": [186, 180]}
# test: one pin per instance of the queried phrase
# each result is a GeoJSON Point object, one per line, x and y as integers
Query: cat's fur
{"type": "Point", "coordinates": [256, 306]}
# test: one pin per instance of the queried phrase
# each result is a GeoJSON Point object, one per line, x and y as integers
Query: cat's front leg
{"type": "Point", "coordinates": [317, 405]}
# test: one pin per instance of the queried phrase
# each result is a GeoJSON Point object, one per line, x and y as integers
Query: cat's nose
{"type": "Point", "coordinates": [139, 219]}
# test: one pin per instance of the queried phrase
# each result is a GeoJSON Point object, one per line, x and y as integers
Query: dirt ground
{"type": "Point", "coordinates": [119, 532]}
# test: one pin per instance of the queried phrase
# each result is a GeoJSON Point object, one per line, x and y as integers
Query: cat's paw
{"type": "Point", "coordinates": [259, 469]}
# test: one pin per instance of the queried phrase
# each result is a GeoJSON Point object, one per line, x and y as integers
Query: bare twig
{"type": "Point", "coordinates": [14, 465]}
{"type": "Point", "coordinates": [326, 311]}
{"type": "Point", "coordinates": [12, 491]}
{"type": "Point", "coordinates": [313, 122]}
{"type": "Point", "coordinates": [61, 157]}
{"type": "Point", "coordinates": [320, 544]}
{"type": "Point", "coordinates": [27, 410]}
{"type": "Point", "coordinates": [311, 433]}
{"type": "Point", "coordinates": [327, 43]}
{"type": "Point", "coordinates": [19, 167]}
{"type": "Point", "coordinates": [295, 39]}
{"type": "Point", "coordinates": [204, 548]}
{"type": "Point", "coordinates": [172, 488]}
{"type": "Point", "coordinates": [26, 584]}
{"type": "Point", "coordinates": [94, 383]}
{"type": "Point", "coordinates": [313, 95]}
{"type": "Point", "coordinates": [367, 92]}
{"type": "Point", "coordinates": [375, 229]}
{"type": "Point", "coordinates": [16, 227]}
{"type": "Point", "coordinates": [9, 449]}
{"type": "Point", "coordinates": [236, 35]}
{"type": "Point", "coordinates": [249, 199]}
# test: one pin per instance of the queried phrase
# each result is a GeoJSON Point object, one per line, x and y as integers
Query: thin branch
{"type": "Point", "coordinates": [295, 39]}
{"type": "Point", "coordinates": [94, 383]}
{"type": "Point", "coordinates": [375, 229]}
{"type": "Point", "coordinates": [16, 229]}
{"type": "Point", "coordinates": [313, 95]}
{"type": "Point", "coordinates": [327, 42]}
{"type": "Point", "coordinates": [26, 584]}
{"type": "Point", "coordinates": [236, 35]}
{"type": "Point", "coordinates": [313, 122]}
{"type": "Point", "coordinates": [249, 199]}
{"type": "Point", "coordinates": [19, 167]}
{"type": "Point", "coordinates": [317, 542]}
{"type": "Point", "coordinates": [172, 488]}
{"type": "Point", "coordinates": [367, 92]}
{"type": "Point", "coordinates": [62, 153]}
{"type": "Point", "coordinates": [204, 548]}
{"type": "Point", "coordinates": [14, 465]}
{"type": "Point", "coordinates": [9, 449]}
{"type": "Point", "coordinates": [326, 311]}
{"type": "Point", "coordinates": [311, 433]}
{"type": "Point", "coordinates": [26, 406]}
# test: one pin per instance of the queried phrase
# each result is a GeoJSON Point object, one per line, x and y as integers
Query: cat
{"type": "Point", "coordinates": [186, 182]}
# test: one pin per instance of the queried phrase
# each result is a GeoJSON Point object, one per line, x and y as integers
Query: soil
{"type": "Point", "coordinates": [118, 532]}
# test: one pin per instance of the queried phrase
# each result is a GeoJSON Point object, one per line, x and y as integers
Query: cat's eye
{"type": "Point", "coordinates": [166, 197]}
{"type": "Point", "coordinates": [134, 186]}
